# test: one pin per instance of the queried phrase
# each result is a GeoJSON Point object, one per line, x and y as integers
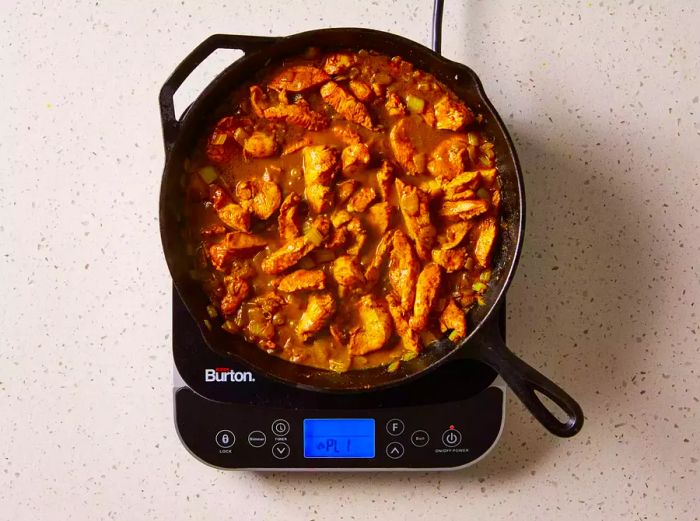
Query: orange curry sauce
{"type": "Point", "coordinates": [342, 211]}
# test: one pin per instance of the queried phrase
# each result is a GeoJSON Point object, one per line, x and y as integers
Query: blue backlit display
{"type": "Point", "coordinates": [339, 438]}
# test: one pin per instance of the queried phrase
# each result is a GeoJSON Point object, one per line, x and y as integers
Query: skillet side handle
{"type": "Point", "coordinates": [524, 381]}
{"type": "Point", "coordinates": [217, 41]}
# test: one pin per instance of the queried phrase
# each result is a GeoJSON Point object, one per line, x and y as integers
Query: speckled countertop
{"type": "Point", "coordinates": [602, 100]}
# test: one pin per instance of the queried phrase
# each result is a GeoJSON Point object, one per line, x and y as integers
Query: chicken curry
{"type": "Point", "coordinates": [342, 211]}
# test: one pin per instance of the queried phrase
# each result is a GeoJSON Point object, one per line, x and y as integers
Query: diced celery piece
{"type": "Point", "coordinates": [479, 287]}
{"type": "Point", "coordinates": [415, 104]}
{"type": "Point", "coordinates": [208, 174]}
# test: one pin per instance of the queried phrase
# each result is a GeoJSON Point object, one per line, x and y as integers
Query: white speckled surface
{"type": "Point", "coordinates": [602, 99]}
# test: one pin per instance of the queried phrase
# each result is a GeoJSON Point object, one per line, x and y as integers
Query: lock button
{"type": "Point", "coordinates": [225, 439]}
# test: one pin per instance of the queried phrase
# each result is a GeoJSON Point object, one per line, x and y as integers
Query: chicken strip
{"type": "Point", "coordinates": [346, 104]}
{"type": "Point", "coordinates": [218, 197]}
{"type": "Point", "coordinates": [414, 208]}
{"type": "Point", "coordinates": [361, 90]}
{"type": "Point", "coordinates": [292, 252]}
{"type": "Point", "coordinates": [260, 144]}
{"type": "Point", "coordinates": [347, 272]}
{"type": "Point", "coordinates": [354, 156]}
{"type": "Point", "coordinates": [258, 101]}
{"type": "Point", "coordinates": [339, 63]}
{"type": "Point", "coordinates": [340, 218]}
{"type": "Point", "coordinates": [451, 260]}
{"type": "Point", "coordinates": [289, 219]}
{"type": "Point", "coordinates": [394, 105]}
{"type": "Point", "coordinates": [221, 145]}
{"type": "Point", "coordinates": [375, 329]}
{"type": "Point", "coordinates": [450, 157]}
{"type": "Point", "coordinates": [361, 199]}
{"type": "Point", "coordinates": [452, 318]}
{"type": "Point", "coordinates": [319, 197]}
{"type": "Point", "coordinates": [464, 182]}
{"type": "Point", "coordinates": [385, 179]}
{"type": "Point", "coordinates": [319, 310]}
{"type": "Point", "coordinates": [403, 270]}
{"type": "Point", "coordinates": [295, 146]}
{"type": "Point", "coordinates": [302, 280]}
{"type": "Point", "coordinates": [237, 290]}
{"type": "Point", "coordinates": [338, 238]}
{"type": "Point", "coordinates": [235, 216]}
{"type": "Point", "coordinates": [345, 190]}
{"type": "Point", "coordinates": [259, 196]}
{"type": "Point", "coordinates": [299, 114]}
{"type": "Point", "coordinates": [427, 288]}
{"type": "Point", "coordinates": [346, 134]}
{"type": "Point", "coordinates": [378, 217]}
{"type": "Point", "coordinates": [451, 114]}
{"type": "Point", "coordinates": [485, 237]}
{"type": "Point", "coordinates": [320, 164]}
{"type": "Point", "coordinates": [463, 210]}
{"type": "Point", "coordinates": [404, 151]}
{"type": "Point", "coordinates": [298, 78]}
{"type": "Point", "coordinates": [213, 230]}
{"type": "Point", "coordinates": [234, 244]}
{"type": "Point", "coordinates": [380, 254]}
{"type": "Point", "coordinates": [359, 235]}
{"type": "Point", "coordinates": [409, 338]}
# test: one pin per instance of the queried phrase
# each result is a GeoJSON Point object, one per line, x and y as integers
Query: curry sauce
{"type": "Point", "coordinates": [342, 211]}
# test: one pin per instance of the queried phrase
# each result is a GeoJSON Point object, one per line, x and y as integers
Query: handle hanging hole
{"type": "Point", "coordinates": [552, 407]}
{"type": "Point", "coordinates": [202, 76]}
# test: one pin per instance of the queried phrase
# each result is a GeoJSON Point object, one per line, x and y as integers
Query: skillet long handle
{"type": "Point", "coordinates": [217, 41]}
{"type": "Point", "coordinates": [524, 381]}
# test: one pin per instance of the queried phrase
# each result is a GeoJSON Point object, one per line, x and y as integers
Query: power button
{"type": "Point", "coordinates": [451, 438]}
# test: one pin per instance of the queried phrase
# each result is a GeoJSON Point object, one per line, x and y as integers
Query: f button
{"type": "Point", "coordinates": [395, 427]}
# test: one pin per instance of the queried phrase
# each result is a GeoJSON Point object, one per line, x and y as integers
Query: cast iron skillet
{"type": "Point", "coordinates": [484, 341]}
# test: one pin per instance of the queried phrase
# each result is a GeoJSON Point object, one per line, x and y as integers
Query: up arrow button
{"type": "Point", "coordinates": [394, 450]}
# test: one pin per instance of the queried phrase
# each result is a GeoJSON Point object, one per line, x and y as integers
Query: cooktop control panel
{"type": "Point", "coordinates": [239, 436]}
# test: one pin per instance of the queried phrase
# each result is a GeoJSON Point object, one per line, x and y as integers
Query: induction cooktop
{"type": "Point", "coordinates": [231, 417]}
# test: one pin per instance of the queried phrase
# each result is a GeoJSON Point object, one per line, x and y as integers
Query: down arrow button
{"type": "Point", "coordinates": [280, 450]}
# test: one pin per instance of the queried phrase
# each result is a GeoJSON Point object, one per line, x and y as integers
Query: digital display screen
{"type": "Point", "coordinates": [339, 438]}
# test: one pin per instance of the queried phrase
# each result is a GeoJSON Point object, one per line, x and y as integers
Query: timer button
{"type": "Point", "coordinates": [225, 439]}
{"type": "Point", "coordinates": [257, 439]}
{"type": "Point", "coordinates": [451, 438]}
{"type": "Point", "coordinates": [395, 427]}
{"type": "Point", "coordinates": [420, 438]}
{"type": "Point", "coordinates": [281, 450]}
{"type": "Point", "coordinates": [394, 450]}
{"type": "Point", "coordinates": [280, 427]}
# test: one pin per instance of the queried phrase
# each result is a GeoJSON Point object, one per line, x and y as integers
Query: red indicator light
{"type": "Point", "coordinates": [452, 427]}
